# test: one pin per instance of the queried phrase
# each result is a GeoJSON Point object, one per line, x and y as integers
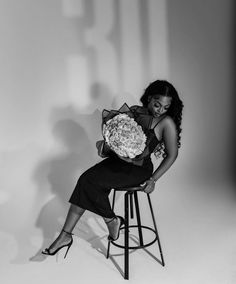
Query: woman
{"type": "Point", "coordinates": [162, 104]}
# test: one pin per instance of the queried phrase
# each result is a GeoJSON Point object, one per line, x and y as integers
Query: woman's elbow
{"type": "Point", "coordinates": [172, 156]}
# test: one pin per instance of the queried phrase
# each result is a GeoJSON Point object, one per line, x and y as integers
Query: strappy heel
{"type": "Point", "coordinates": [47, 250]}
{"type": "Point", "coordinates": [122, 221]}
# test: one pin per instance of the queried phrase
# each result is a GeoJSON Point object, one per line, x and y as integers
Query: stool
{"type": "Point", "coordinates": [131, 192]}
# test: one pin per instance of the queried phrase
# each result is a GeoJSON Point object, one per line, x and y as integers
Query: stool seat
{"type": "Point", "coordinates": [131, 192]}
{"type": "Point", "coordinates": [133, 188]}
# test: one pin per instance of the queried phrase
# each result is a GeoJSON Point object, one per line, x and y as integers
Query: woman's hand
{"type": "Point", "coordinates": [149, 185]}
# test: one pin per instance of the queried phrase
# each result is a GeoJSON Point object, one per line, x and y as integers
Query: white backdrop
{"type": "Point", "coordinates": [62, 62]}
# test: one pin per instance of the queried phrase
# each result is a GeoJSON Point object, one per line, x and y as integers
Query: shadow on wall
{"type": "Point", "coordinates": [77, 133]}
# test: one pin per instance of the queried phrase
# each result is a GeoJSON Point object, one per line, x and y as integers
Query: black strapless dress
{"type": "Point", "coordinates": [94, 185]}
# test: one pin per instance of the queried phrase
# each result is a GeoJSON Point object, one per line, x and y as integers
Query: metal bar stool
{"type": "Point", "coordinates": [131, 192]}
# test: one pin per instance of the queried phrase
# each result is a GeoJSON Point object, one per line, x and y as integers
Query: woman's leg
{"type": "Point", "coordinates": [113, 225]}
{"type": "Point", "coordinates": [73, 216]}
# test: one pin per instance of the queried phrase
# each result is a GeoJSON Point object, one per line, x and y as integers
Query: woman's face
{"type": "Point", "coordinates": [159, 105]}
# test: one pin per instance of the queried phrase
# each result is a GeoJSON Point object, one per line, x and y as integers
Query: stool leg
{"type": "Point", "coordinates": [113, 205]}
{"type": "Point", "coordinates": [131, 205]}
{"type": "Point", "coordinates": [155, 226]}
{"type": "Point", "coordinates": [126, 262]}
{"type": "Point", "coordinates": [138, 218]}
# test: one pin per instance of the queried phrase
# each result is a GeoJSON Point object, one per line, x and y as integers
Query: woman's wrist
{"type": "Point", "coordinates": [152, 179]}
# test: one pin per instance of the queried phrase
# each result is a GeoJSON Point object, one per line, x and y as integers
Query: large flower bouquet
{"type": "Point", "coordinates": [125, 134]}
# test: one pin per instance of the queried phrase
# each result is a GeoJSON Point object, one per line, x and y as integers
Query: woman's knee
{"type": "Point", "coordinates": [85, 177]}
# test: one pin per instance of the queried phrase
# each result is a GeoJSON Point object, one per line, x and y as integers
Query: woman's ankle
{"type": "Point", "coordinates": [68, 232]}
{"type": "Point", "coordinates": [64, 234]}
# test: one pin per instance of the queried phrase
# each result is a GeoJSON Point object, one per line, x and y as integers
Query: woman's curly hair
{"type": "Point", "coordinates": [164, 88]}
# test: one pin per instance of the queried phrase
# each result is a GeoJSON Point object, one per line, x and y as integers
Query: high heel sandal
{"type": "Point", "coordinates": [122, 221]}
{"type": "Point", "coordinates": [47, 250]}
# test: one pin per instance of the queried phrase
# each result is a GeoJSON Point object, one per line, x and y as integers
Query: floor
{"type": "Point", "coordinates": [197, 228]}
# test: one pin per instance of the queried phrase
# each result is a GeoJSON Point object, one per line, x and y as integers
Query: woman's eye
{"type": "Point", "coordinates": [157, 105]}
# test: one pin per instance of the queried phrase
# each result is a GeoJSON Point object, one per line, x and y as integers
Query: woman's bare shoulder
{"type": "Point", "coordinates": [168, 121]}
{"type": "Point", "coordinates": [167, 125]}
{"type": "Point", "coordinates": [169, 128]}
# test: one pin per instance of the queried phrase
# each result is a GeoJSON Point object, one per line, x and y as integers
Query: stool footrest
{"type": "Point", "coordinates": [140, 246]}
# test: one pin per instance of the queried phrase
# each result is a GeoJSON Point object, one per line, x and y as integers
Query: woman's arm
{"type": "Point", "coordinates": [169, 135]}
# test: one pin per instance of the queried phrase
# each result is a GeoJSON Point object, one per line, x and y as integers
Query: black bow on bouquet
{"type": "Point", "coordinates": [142, 118]}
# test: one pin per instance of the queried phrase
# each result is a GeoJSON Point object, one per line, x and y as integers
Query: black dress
{"type": "Point", "coordinates": [94, 185]}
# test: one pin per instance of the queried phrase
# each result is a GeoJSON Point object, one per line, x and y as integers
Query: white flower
{"type": "Point", "coordinates": [124, 136]}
